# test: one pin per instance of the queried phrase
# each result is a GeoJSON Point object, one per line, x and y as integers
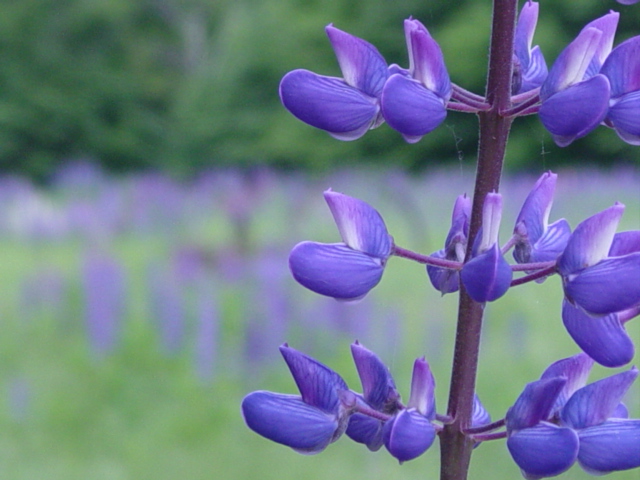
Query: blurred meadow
{"type": "Point", "coordinates": [151, 187]}
{"type": "Point", "coordinates": [139, 310]}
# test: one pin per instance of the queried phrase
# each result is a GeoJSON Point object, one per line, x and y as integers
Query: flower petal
{"type": "Point", "coordinates": [591, 240]}
{"type": "Point", "coordinates": [286, 419]}
{"type": "Point", "coordinates": [537, 72]}
{"type": "Point", "coordinates": [624, 116]}
{"type": "Point", "coordinates": [534, 214]}
{"type": "Point", "coordinates": [622, 67]}
{"type": "Point", "coordinates": [607, 24]}
{"type": "Point", "coordinates": [328, 103]}
{"type": "Point", "coordinates": [318, 384]}
{"type": "Point", "coordinates": [410, 108]}
{"type": "Point", "coordinates": [545, 450]}
{"type": "Point", "coordinates": [624, 243]}
{"type": "Point", "coordinates": [362, 65]}
{"type": "Point", "coordinates": [610, 446]}
{"type": "Point", "coordinates": [525, 29]}
{"type": "Point", "coordinates": [423, 385]}
{"type": "Point", "coordinates": [360, 225]}
{"type": "Point", "coordinates": [574, 112]}
{"type": "Point", "coordinates": [378, 387]}
{"type": "Point", "coordinates": [535, 403]}
{"type": "Point", "coordinates": [576, 371]}
{"type": "Point", "coordinates": [487, 276]}
{"type": "Point", "coordinates": [334, 270]}
{"type": "Point", "coordinates": [479, 416]}
{"type": "Point", "coordinates": [408, 435]}
{"type": "Point", "coordinates": [444, 280]}
{"type": "Point", "coordinates": [366, 430]}
{"type": "Point", "coordinates": [610, 286]}
{"type": "Point", "coordinates": [595, 403]}
{"type": "Point", "coordinates": [426, 62]}
{"type": "Point", "coordinates": [602, 338]}
{"type": "Point", "coordinates": [552, 243]}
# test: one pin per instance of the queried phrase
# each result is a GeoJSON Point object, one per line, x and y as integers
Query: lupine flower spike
{"type": "Point", "coordinates": [534, 239]}
{"type": "Point", "coordinates": [306, 423]}
{"type": "Point", "coordinates": [414, 101]}
{"type": "Point", "coordinates": [487, 276]}
{"type": "Point", "coordinates": [350, 269]}
{"type": "Point", "coordinates": [345, 107]}
{"type": "Point", "coordinates": [530, 69]}
{"type": "Point", "coordinates": [575, 97]}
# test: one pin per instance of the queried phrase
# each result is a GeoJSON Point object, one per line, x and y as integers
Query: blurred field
{"type": "Point", "coordinates": [138, 311]}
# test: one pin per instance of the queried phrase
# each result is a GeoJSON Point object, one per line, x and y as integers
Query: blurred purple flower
{"type": "Point", "coordinates": [206, 331]}
{"type": "Point", "coordinates": [455, 246]}
{"type": "Point", "coordinates": [350, 269]}
{"type": "Point", "coordinates": [414, 102]}
{"type": "Point", "coordinates": [575, 97]}
{"type": "Point", "coordinates": [535, 240]}
{"type": "Point", "coordinates": [307, 423]}
{"type": "Point", "coordinates": [622, 68]}
{"type": "Point", "coordinates": [530, 68]}
{"type": "Point", "coordinates": [487, 276]}
{"type": "Point", "coordinates": [345, 107]}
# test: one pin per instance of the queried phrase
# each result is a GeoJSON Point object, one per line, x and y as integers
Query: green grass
{"type": "Point", "coordinates": [138, 413]}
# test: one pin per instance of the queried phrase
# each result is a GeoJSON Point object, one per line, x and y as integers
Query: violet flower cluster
{"type": "Point", "coordinates": [589, 84]}
{"type": "Point", "coordinates": [558, 420]}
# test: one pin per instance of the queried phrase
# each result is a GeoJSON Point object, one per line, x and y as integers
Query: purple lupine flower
{"type": "Point", "coordinates": [622, 68]}
{"type": "Point", "coordinates": [628, 2]}
{"type": "Point", "coordinates": [378, 392]}
{"type": "Point", "coordinates": [345, 107]}
{"type": "Point", "coordinates": [409, 433]}
{"type": "Point", "coordinates": [306, 423]}
{"type": "Point", "coordinates": [455, 246]}
{"type": "Point", "coordinates": [604, 338]}
{"type": "Point", "coordinates": [414, 102]}
{"type": "Point", "coordinates": [535, 240]}
{"type": "Point", "coordinates": [530, 68]}
{"type": "Point", "coordinates": [487, 276]}
{"type": "Point", "coordinates": [575, 97]}
{"type": "Point", "coordinates": [596, 278]}
{"type": "Point", "coordinates": [350, 269]}
{"type": "Point", "coordinates": [557, 420]}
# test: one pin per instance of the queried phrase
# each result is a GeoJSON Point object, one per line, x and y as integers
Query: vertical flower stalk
{"type": "Point", "coordinates": [494, 130]}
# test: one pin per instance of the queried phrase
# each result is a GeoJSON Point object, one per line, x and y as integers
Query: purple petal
{"type": "Point", "coordinates": [362, 65]}
{"type": "Point", "coordinates": [609, 447]}
{"type": "Point", "coordinates": [318, 384]}
{"type": "Point", "coordinates": [426, 62]}
{"type": "Point", "coordinates": [525, 29]}
{"type": "Point", "coordinates": [444, 280]}
{"type": "Point", "coordinates": [410, 108]}
{"type": "Point", "coordinates": [480, 416]}
{"type": "Point", "coordinates": [572, 63]}
{"type": "Point", "coordinates": [610, 286]}
{"type": "Point", "coordinates": [607, 24]}
{"type": "Point", "coordinates": [574, 112]}
{"type": "Point", "coordinates": [535, 403]}
{"type": "Point", "coordinates": [423, 385]}
{"type": "Point", "coordinates": [537, 72]}
{"type": "Point", "coordinates": [491, 217]}
{"type": "Point", "coordinates": [591, 240]}
{"type": "Point", "coordinates": [328, 103]}
{"type": "Point", "coordinates": [366, 430]}
{"type": "Point", "coordinates": [534, 214]}
{"type": "Point", "coordinates": [602, 338]}
{"type": "Point", "coordinates": [622, 67]}
{"type": "Point", "coordinates": [286, 419]}
{"type": "Point", "coordinates": [408, 435]}
{"type": "Point", "coordinates": [552, 243]}
{"type": "Point", "coordinates": [378, 387]}
{"type": "Point", "coordinates": [595, 403]}
{"type": "Point", "coordinates": [543, 451]}
{"type": "Point", "coordinates": [334, 270]}
{"type": "Point", "coordinates": [460, 219]}
{"type": "Point", "coordinates": [624, 116]}
{"type": "Point", "coordinates": [487, 276]}
{"type": "Point", "coordinates": [625, 243]}
{"type": "Point", "coordinates": [576, 371]}
{"type": "Point", "coordinates": [361, 226]}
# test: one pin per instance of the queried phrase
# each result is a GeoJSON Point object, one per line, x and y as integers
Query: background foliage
{"type": "Point", "coordinates": [185, 84]}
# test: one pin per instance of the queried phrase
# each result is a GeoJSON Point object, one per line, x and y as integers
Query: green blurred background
{"type": "Point", "coordinates": [183, 84]}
